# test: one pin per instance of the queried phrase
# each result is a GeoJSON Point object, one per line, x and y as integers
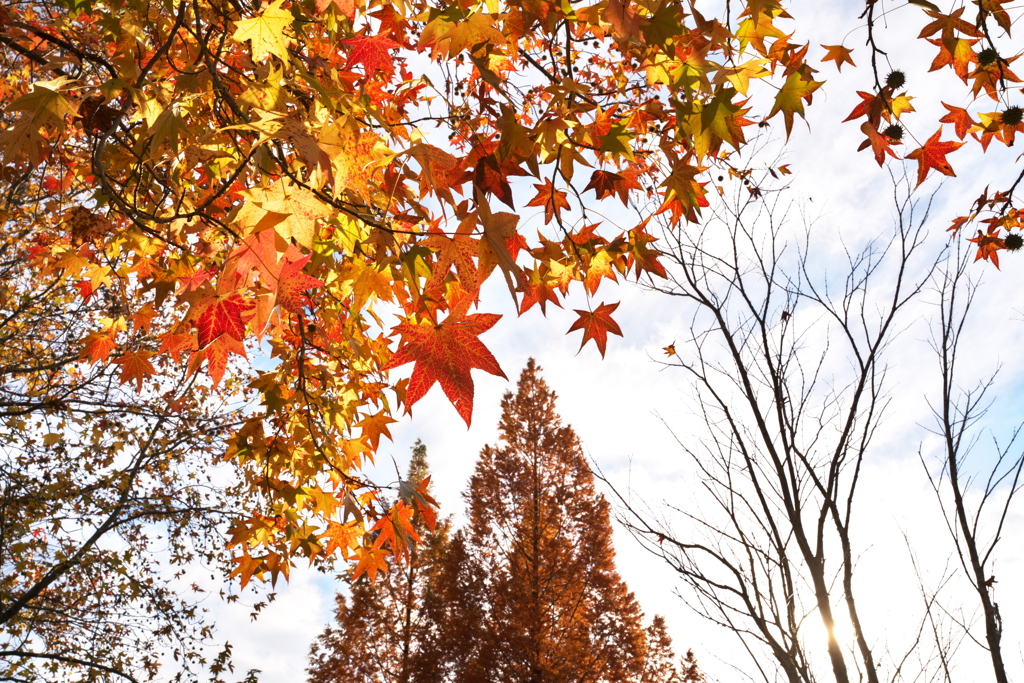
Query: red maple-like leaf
{"type": "Point", "coordinates": [445, 354]}
{"type": "Point", "coordinates": [552, 199]}
{"type": "Point", "coordinates": [989, 245]}
{"type": "Point", "coordinates": [537, 290]}
{"type": "Point", "coordinates": [879, 144]}
{"type": "Point", "coordinates": [642, 257]}
{"type": "Point", "coordinates": [396, 530]}
{"type": "Point", "coordinates": [605, 184]}
{"type": "Point", "coordinates": [933, 155]}
{"type": "Point", "coordinates": [174, 344]}
{"type": "Point", "coordinates": [219, 315]}
{"type": "Point", "coordinates": [596, 325]}
{"type": "Point", "coordinates": [960, 118]}
{"type": "Point", "coordinates": [292, 283]}
{"type": "Point", "coordinates": [135, 366]}
{"type": "Point", "coordinates": [373, 53]}
{"type": "Point", "coordinates": [871, 105]}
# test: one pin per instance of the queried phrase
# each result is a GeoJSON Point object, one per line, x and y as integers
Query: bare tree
{"type": "Point", "coordinates": [786, 355]}
{"type": "Point", "coordinates": [976, 528]}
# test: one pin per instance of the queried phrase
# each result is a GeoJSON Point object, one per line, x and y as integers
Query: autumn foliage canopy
{"type": "Point", "coordinates": [330, 183]}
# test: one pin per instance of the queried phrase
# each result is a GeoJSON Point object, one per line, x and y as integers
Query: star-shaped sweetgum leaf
{"type": "Point", "coordinates": [371, 561]}
{"type": "Point", "coordinates": [458, 251]}
{"type": "Point", "coordinates": [551, 199]}
{"type": "Point", "coordinates": [933, 155]}
{"type": "Point", "coordinates": [790, 99]}
{"type": "Point", "coordinates": [373, 52]}
{"type": "Point", "coordinates": [880, 144]}
{"type": "Point", "coordinates": [219, 315]}
{"type": "Point", "coordinates": [445, 353]}
{"type": "Point", "coordinates": [605, 184]}
{"type": "Point", "coordinates": [292, 283]}
{"type": "Point", "coordinates": [960, 118]}
{"type": "Point", "coordinates": [266, 32]}
{"type": "Point", "coordinates": [135, 367]}
{"type": "Point", "coordinates": [596, 325]}
{"type": "Point", "coordinates": [340, 535]}
{"type": "Point", "coordinates": [838, 54]}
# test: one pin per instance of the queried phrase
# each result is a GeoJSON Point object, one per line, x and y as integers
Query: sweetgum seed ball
{"type": "Point", "coordinates": [987, 57]}
{"type": "Point", "coordinates": [896, 79]}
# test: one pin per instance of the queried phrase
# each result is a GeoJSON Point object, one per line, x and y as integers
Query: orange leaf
{"type": "Point", "coordinates": [995, 8]}
{"type": "Point", "coordinates": [340, 535]}
{"type": "Point", "coordinates": [216, 356]}
{"type": "Point", "coordinates": [955, 52]}
{"type": "Point", "coordinates": [933, 155]}
{"type": "Point", "coordinates": [416, 495]}
{"type": "Point", "coordinates": [99, 344]}
{"type": "Point", "coordinates": [596, 325]}
{"type": "Point", "coordinates": [458, 251]}
{"type": "Point", "coordinates": [248, 567]}
{"type": "Point", "coordinates": [949, 25]}
{"type": "Point", "coordinates": [551, 199]}
{"type": "Point", "coordinates": [396, 530]}
{"type": "Point", "coordinates": [871, 105]}
{"type": "Point", "coordinates": [135, 366]}
{"type": "Point", "coordinates": [176, 343]}
{"type": "Point", "coordinates": [445, 353]}
{"type": "Point", "coordinates": [960, 118]}
{"type": "Point", "coordinates": [374, 427]}
{"type": "Point", "coordinates": [879, 143]}
{"type": "Point", "coordinates": [838, 54]}
{"type": "Point", "coordinates": [989, 245]}
{"type": "Point", "coordinates": [538, 290]}
{"type": "Point", "coordinates": [371, 560]}
{"type": "Point", "coordinates": [346, 7]}
{"type": "Point", "coordinates": [642, 257]}
{"type": "Point", "coordinates": [600, 267]}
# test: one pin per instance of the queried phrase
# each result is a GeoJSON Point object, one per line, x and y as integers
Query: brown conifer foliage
{"type": "Point", "coordinates": [526, 593]}
{"type": "Point", "coordinates": [554, 607]}
{"type": "Point", "coordinates": [378, 628]}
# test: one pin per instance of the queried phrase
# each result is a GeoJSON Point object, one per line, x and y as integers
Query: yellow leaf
{"type": "Point", "coordinates": [45, 102]}
{"type": "Point", "coordinates": [791, 96]}
{"type": "Point", "coordinates": [300, 207]}
{"type": "Point", "coordinates": [266, 32]}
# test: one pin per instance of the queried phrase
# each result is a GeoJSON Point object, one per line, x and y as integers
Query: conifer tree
{"type": "Point", "coordinates": [377, 627]}
{"type": "Point", "coordinates": [526, 593]}
{"type": "Point", "coordinates": [550, 606]}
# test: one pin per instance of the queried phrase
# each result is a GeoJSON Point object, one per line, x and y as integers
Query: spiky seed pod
{"type": "Point", "coordinates": [987, 57]}
{"type": "Point", "coordinates": [896, 79]}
